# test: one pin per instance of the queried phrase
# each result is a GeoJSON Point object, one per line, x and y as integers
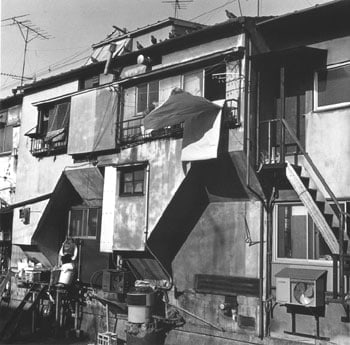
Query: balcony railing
{"type": "Point", "coordinates": [132, 132]}
{"type": "Point", "coordinates": [41, 147]}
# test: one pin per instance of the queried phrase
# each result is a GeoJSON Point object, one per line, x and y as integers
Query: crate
{"type": "Point", "coordinates": [107, 338]}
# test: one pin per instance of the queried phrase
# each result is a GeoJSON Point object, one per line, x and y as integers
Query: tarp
{"type": "Point", "coordinates": [92, 124]}
{"type": "Point", "coordinates": [202, 123]}
{"type": "Point", "coordinates": [179, 107]}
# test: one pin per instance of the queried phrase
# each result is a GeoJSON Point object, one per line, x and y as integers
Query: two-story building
{"type": "Point", "coordinates": [218, 192]}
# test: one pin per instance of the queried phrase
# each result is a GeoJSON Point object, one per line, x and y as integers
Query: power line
{"type": "Point", "coordinates": [214, 9]}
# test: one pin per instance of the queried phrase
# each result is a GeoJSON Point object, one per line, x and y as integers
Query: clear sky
{"type": "Point", "coordinates": [76, 24]}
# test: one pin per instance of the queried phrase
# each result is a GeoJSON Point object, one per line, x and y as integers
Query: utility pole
{"type": "Point", "coordinates": [29, 32]}
{"type": "Point", "coordinates": [258, 8]}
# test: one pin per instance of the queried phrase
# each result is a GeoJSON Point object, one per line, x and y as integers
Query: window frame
{"type": "Point", "coordinates": [142, 112]}
{"type": "Point", "coordinates": [85, 209]}
{"type": "Point", "coordinates": [299, 261]}
{"type": "Point", "coordinates": [3, 137]}
{"type": "Point", "coordinates": [132, 169]}
{"type": "Point", "coordinates": [44, 109]}
{"type": "Point", "coordinates": [199, 71]}
{"type": "Point", "coordinates": [321, 108]}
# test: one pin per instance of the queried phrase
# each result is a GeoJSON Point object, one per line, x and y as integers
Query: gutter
{"type": "Point", "coordinates": [25, 202]}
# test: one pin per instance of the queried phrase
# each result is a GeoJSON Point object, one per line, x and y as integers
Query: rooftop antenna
{"type": "Point", "coordinates": [178, 5]}
{"type": "Point", "coordinates": [29, 32]}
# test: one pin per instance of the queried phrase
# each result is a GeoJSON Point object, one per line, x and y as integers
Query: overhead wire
{"type": "Point", "coordinates": [213, 10]}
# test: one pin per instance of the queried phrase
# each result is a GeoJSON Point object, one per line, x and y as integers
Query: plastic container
{"type": "Point", "coordinates": [67, 274]}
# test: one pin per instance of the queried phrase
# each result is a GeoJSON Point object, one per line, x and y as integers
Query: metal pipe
{"type": "Point", "coordinates": [258, 120]}
{"type": "Point", "coordinates": [247, 78]}
{"type": "Point", "coordinates": [341, 257]}
{"type": "Point", "coordinates": [147, 202]}
{"type": "Point", "coordinates": [197, 317]}
{"type": "Point", "coordinates": [282, 97]}
{"type": "Point", "coordinates": [261, 272]}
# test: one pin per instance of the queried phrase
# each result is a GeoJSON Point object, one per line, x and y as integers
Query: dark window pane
{"type": "Point", "coordinates": [141, 98]}
{"type": "Point", "coordinates": [128, 187]}
{"type": "Point", "coordinates": [138, 175]}
{"type": "Point", "coordinates": [76, 223]}
{"type": "Point", "coordinates": [138, 187]}
{"type": "Point", "coordinates": [94, 220]}
{"type": "Point", "coordinates": [334, 86]}
{"type": "Point", "coordinates": [8, 138]}
{"type": "Point", "coordinates": [153, 96]}
{"type": "Point", "coordinates": [58, 116]}
{"type": "Point", "coordinates": [128, 177]}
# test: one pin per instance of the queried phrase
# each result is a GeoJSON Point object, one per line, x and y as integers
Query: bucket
{"type": "Point", "coordinates": [67, 274]}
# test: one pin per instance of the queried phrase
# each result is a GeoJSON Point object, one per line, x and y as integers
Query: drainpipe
{"type": "Point", "coordinates": [147, 202]}
{"type": "Point", "coordinates": [269, 220]}
{"type": "Point", "coordinates": [112, 49]}
{"type": "Point", "coordinates": [261, 273]}
{"type": "Point", "coordinates": [247, 79]}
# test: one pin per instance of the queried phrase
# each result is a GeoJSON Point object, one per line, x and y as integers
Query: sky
{"type": "Point", "coordinates": [75, 25]}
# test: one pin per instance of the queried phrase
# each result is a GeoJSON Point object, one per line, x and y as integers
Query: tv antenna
{"type": "Point", "coordinates": [29, 32]}
{"type": "Point", "coordinates": [178, 5]}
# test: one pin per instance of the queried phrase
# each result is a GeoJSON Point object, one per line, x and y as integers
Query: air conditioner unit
{"type": "Point", "coordinates": [302, 287]}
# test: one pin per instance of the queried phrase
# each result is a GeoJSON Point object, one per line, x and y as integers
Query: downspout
{"type": "Point", "coordinates": [247, 79]}
{"type": "Point", "coordinates": [147, 202]}
{"type": "Point", "coordinates": [247, 99]}
{"type": "Point", "coordinates": [261, 273]}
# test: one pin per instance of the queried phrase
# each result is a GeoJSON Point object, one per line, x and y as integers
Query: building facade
{"type": "Point", "coordinates": [210, 161]}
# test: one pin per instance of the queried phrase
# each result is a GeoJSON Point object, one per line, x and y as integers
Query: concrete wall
{"type": "Point", "coordinates": [36, 176]}
{"type": "Point", "coordinates": [165, 175]}
{"type": "Point", "coordinates": [217, 245]}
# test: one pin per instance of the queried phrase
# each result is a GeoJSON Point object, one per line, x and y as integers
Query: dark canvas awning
{"type": "Point", "coordinates": [74, 187]}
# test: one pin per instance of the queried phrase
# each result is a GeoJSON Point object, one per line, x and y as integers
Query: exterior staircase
{"type": "Point", "coordinates": [330, 222]}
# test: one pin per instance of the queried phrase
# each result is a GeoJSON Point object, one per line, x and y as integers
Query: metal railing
{"type": "Point", "coordinates": [41, 146]}
{"type": "Point", "coordinates": [132, 131]}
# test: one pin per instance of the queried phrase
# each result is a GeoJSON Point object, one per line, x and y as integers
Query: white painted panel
{"type": "Point", "coordinates": [108, 209]}
{"type": "Point", "coordinates": [203, 50]}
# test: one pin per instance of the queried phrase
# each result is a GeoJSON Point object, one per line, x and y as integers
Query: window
{"type": "Point", "coordinates": [132, 181]}
{"type": "Point", "coordinates": [84, 222]}
{"type": "Point", "coordinates": [147, 97]}
{"type": "Point", "coordinates": [193, 83]}
{"type": "Point", "coordinates": [6, 137]}
{"type": "Point", "coordinates": [297, 237]}
{"type": "Point", "coordinates": [53, 118]}
{"type": "Point", "coordinates": [332, 87]}
{"type": "Point", "coordinates": [89, 82]}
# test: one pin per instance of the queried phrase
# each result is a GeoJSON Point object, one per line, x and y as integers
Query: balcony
{"type": "Point", "coordinates": [42, 147]}
{"type": "Point", "coordinates": [132, 132]}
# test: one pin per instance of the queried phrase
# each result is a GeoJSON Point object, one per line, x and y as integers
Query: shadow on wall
{"type": "Point", "coordinates": [207, 181]}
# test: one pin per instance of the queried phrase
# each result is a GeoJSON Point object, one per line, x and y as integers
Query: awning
{"type": "Point", "coordinates": [74, 187]}
{"type": "Point", "coordinates": [88, 183]}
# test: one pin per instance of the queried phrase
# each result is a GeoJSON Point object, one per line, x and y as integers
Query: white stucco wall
{"type": "Point", "coordinates": [36, 176]}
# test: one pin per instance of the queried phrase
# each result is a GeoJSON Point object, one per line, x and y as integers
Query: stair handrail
{"type": "Point", "coordinates": [314, 168]}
